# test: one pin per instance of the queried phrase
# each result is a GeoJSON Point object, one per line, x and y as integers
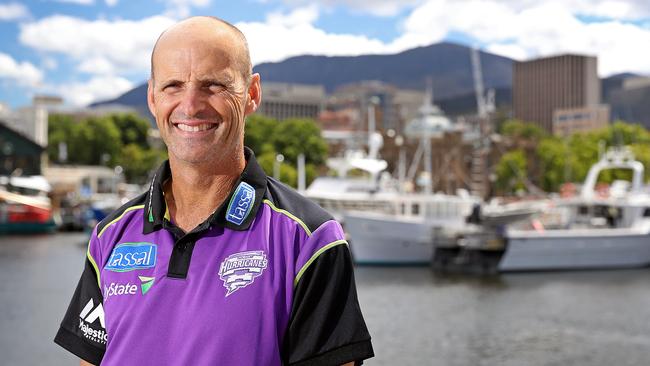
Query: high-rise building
{"type": "Point", "coordinates": [544, 85]}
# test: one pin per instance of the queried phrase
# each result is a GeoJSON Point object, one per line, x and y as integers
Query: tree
{"type": "Point", "coordinates": [552, 160]}
{"type": "Point", "coordinates": [110, 140]}
{"type": "Point", "coordinates": [511, 172]}
{"type": "Point", "coordinates": [268, 137]}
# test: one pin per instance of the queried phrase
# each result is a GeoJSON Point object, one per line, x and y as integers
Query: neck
{"type": "Point", "coordinates": [197, 190]}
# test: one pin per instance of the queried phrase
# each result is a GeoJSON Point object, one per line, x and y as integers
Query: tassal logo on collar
{"type": "Point", "coordinates": [241, 203]}
{"type": "Point", "coordinates": [240, 269]}
{"type": "Point", "coordinates": [131, 256]}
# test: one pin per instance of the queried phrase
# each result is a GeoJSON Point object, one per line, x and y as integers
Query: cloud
{"type": "Point", "coordinates": [96, 89]}
{"type": "Point", "coordinates": [49, 63]}
{"type": "Point", "coordinates": [111, 2]}
{"type": "Point", "coordinates": [293, 34]}
{"type": "Point", "coordinates": [608, 9]}
{"type": "Point", "coordinates": [100, 46]}
{"type": "Point", "coordinates": [179, 9]}
{"type": "Point", "coordinates": [21, 73]}
{"type": "Point", "coordinates": [546, 28]}
{"type": "Point", "coordinates": [380, 8]}
{"type": "Point", "coordinates": [79, 2]}
{"type": "Point", "coordinates": [13, 11]}
{"type": "Point", "coordinates": [503, 27]}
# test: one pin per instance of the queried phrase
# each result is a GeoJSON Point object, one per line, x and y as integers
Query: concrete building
{"type": "Point", "coordinates": [283, 101]}
{"type": "Point", "coordinates": [543, 85]}
{"type": "Point", "coordinates": [31, 121]}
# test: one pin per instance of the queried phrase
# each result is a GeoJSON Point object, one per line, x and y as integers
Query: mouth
{"type": "Point", "coordinates": [196, 127]}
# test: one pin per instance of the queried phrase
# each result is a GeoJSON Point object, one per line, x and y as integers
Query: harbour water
{"type": "Point", "coordinates": [415, 317]}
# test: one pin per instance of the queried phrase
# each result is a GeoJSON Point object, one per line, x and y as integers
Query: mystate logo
{"type": "Point", "coordinates": [88, 319]}
{"type": "Point", "coordinates": [119, 289]}
{"type": "Point", "coordinates": [128, 289]}
{"type": "Point", "coordinates": [240, 269]}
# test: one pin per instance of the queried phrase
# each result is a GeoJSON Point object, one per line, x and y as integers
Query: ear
{"type": "Point", "coordinates": [150, 98]}
{"type": "Point", "coordinates": [254, 97]}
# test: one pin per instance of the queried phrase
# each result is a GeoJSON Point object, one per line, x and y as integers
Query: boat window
{"type": "Point", "coordinates": [646, 212]}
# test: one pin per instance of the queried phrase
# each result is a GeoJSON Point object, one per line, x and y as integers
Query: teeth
{"type": "Point", "coordinates": [195, 128]}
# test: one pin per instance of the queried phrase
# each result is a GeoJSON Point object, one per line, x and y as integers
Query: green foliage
{"type": "Point", "coordinates": [511, 171]}
{"type": "Point", "coordinates": [268, 137]}
{"type": "Point", "coordinates": [517, 129]}
{"type": "Point", "coordinates": [569, 159]}
{"type": "Point", "coordinates": [111, 140]}
{"type": "Point", "coordinates": [288, 173]}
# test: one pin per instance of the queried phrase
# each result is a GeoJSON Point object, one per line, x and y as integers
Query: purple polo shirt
{"type": "Point", "coordinates": [266, 280]}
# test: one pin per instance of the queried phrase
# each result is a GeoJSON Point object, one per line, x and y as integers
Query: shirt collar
{"type": "Point", "coordinates": [239, 204]}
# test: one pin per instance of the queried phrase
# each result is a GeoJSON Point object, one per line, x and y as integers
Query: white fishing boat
{"type": "Point", "coordinates": [602, 229]}
{"type": "Point", "coordinates": [371, 192]}
{"type": "Point", "coordinates": [599, 228]}
{"type": "Point", "coordinates": [418, 221]}
{"type": "Point", "coordinates": [409, 235]}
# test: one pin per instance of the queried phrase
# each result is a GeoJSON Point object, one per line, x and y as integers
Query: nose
{"type": "Point", "coordinates": [193, 102]}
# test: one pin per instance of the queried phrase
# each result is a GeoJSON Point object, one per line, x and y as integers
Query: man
{"type": "Point", "coordinates": [216, 264]}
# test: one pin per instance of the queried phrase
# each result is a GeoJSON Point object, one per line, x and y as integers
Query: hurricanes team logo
{"type": "Point", "coordinates": [240, 269]}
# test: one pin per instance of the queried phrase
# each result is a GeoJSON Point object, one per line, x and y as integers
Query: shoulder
{"type": "Point", "coordinates": [114, 217]}
{"type": "Point", "coordinates": [284, 198]}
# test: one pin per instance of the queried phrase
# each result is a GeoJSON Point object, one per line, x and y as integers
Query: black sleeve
{"type": "Point", "coordinates": [326, 325]}
{"type": "Point", "coordinates": [82, 330]}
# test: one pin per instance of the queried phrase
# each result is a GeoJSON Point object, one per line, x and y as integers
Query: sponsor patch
{"type": "Point", "coordinates": [131, 256]}
{"type": "Point", "coordinates": [240, 269]}
{"type": "Point", "coordinates": [241, 203]}
{"type": "Point", "coordinates": [87, 322]}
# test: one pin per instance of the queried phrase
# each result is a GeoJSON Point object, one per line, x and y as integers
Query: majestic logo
{"type": "Point", "coordinates": [240, 269]}
{"type": "Point", "coordinates": [146, 283]}
{"type": "Point", "coordinates": [89, 315]}
{"type": "Point", "coordinates": [241, 203]}
{"type": "Point", "coordinates": [131, 256]}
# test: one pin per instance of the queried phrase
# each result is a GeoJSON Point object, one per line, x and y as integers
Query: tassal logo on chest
{"type": "Point", "coordinates": [131, 256]}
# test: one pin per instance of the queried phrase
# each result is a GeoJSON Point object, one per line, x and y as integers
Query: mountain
{"type": "Point", "coordinates": [612, 83]}
{"type": "Point", "coordinates": [448, 64]}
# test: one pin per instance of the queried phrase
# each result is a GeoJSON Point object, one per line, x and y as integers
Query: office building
{"type": "Point", "coordinates": [544, 85]}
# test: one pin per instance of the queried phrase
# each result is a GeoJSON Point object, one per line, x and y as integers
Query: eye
{"type": "Point", "coordinates": [216, 86]}
{"type": "Point", "coordinates": [171, 86]}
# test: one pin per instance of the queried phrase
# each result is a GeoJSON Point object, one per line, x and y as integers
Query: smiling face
{"type": "Point", "coordinates": [200, 92]}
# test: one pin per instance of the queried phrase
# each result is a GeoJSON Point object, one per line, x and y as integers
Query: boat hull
{"type": "Point", "coordinates": [558, 252]}
{"type": "Point", "coordinates": [377, 240]}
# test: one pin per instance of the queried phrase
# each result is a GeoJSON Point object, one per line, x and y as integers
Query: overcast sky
{"type": "Point", "coordinates": [89, 50]}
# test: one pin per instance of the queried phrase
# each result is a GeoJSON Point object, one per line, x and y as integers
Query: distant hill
{"type": "Point", "coordinates": [611, 83]}
{"type": "Point", "coordinates": [448, 64]}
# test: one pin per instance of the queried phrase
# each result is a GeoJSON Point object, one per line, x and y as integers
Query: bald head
{"type": "Point", "coordinates": [209, 31]}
